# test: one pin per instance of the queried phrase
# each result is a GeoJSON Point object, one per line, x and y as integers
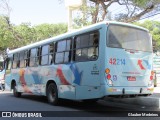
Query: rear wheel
{"type": "Point", "coordinates": [52, 94]}
{"type": "Point", "coordinates": [15, 92]}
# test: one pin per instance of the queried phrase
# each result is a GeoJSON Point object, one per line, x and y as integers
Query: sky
{"type": "Point", "coordinates": [43, 11]}
{"type": "Point", "coordinates": [37, 11]}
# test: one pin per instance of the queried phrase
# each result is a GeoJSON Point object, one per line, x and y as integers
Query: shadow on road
{"type": "Point", "coordinates": [79, 108]}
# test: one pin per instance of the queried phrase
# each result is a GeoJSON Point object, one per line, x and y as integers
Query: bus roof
{"type": "Point", "coordinates": [73, 33]}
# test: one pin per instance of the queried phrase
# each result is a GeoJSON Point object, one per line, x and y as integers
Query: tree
{"type": "Point", "coordinates": [6, 10]}
{"type": "Point", "coordinates": [93, 11]}
{"type": "Point", "coordinates": [154, 28]}
{"type": "Point", "coordinates": [5, 35]}
{"type": "Point", "coordinates": [44, 31]}
{"type": "Point", "coordinates": [26, 34]}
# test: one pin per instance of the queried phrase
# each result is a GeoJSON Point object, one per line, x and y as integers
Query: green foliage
{"type": "Point", "coordinates": [44, 31]}
{"type": "Point", "coordinates": [140, 3]}
{"type": "Point", "coordinates": [5, 35]}
{"type": "Point", "coordinates": [12, 36]}
{"type": "Point", "coordinates": [154, 28]}
{"type": "Point", "coordinates": [144, 3]}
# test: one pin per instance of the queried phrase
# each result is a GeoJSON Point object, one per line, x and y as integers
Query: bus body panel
{"type": "Point", "coordinates": [34, 79]}
{"type": "Point", "coordinates": [129, 69]}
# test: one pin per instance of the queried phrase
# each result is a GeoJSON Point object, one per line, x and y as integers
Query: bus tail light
{"type": "Point", "coordinates": [152, 75]}
{"type": "Point", "coordinates": [108, 76]}
{"type": "Point", "coordinates": [151, 82]}
{"type": "Point", "coordinates": [107, 71]}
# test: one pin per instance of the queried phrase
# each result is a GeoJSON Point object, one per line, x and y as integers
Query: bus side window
{"type": "Point", "coordinates": [44, 58]}
{"type": "Point", "coordinates": [16, 61]}
{"type": "Point", "coordinates": [32, 59]}
{"type": "Point", "coordinates": [51, 53]}
{"type": "Point", "coordinates": [8, 64]}
{"type": "Point", "coordinates": [87, 46]}
{"type": "Point", "coordinates": [21, 59]}
{"type": "Point", "coordinates": [38, 57]}
{"type": "Point", "coordinates": [93, 43]}
{"type": "Point", "coordinates": [26, 58]}
{"type": "Point", "coordinates": [63, 51]}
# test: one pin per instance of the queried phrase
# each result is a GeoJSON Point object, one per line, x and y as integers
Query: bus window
{"type": "Point", "coordinates": [32, 60]}
{"type": "Point", "coordinates": [61, 46]}
{"type": "Point", "coordinates": [59, 58]}
{"type": "Point", "coordinates": [22, 59]}
{"type": "Point", "coordinates": [51, 53]}
{"type": "Point", "coordinates": [86, 47]}
{"type": "Point", "coordinates": [9, 64]}
{"type": "Point", "coordinates": [26, 58]}
{"type": "Point", "coordinates": [38, 57]}
{"type": "Point", "coordinates": [16, 61]}
{"type": "Point", "coordinates": [63, 54]}
{"type": "Point", "coordinates": [84, 40]}
{"type": "Point", "coordinates": [93, 41]}
{"type": "Point", "coordinates": [44, 58]}
{"type": "Point", "coordinates": [128, 38]}
{"type": "Point", "coordinates": [68, 45]}
{"type": "Point", "coordinates": [66, 57]}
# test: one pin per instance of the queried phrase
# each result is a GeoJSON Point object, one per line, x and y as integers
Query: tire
{"type": "Point", "coordinates": [52, 94]}
{"type": "Point", "coordinates": [15, 92]}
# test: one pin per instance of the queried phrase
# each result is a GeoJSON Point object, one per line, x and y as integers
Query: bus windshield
{"type": "Point", "coordinates": [128, 38]}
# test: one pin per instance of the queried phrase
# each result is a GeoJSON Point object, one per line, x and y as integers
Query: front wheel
{"type": "Point", "coordinates": [15, 92]}
{"type": "Point", "coordinates": [52, 94]}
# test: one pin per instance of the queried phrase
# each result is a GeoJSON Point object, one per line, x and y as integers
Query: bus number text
{"type": "Point", "coordinates": [115, 61]}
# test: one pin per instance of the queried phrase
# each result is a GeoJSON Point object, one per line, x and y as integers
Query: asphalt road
{"type": "Point", "coordinates": [70, 109]}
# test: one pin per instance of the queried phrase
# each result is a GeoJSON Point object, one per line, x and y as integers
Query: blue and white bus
{"type": "Point", "coordinates": [106, 59]}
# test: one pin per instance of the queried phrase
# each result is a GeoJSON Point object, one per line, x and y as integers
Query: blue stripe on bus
{"type": "Point", "coordinates": [77, 74]}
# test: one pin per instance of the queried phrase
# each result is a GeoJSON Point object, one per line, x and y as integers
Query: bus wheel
{"type": "Point", "coordinates": [52, 94]}
{"type": "Point", "coordinates": [15, 92]}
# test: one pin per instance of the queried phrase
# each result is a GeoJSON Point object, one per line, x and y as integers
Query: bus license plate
{"type": "Point", "coordinates": [131, 78]}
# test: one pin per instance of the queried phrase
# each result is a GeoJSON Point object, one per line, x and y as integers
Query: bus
{"type": "Point", "coordinates": [107, 59]}
{"type": "Point", "coordinates": [2, 73]}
